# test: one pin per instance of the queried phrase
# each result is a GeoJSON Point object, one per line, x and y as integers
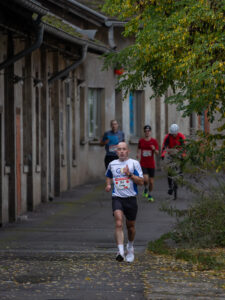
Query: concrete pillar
{"type": "Point", "coordinates": [1, 169]}
{"type": "Point", "coordinates": [55, 98]}
{"type": "Point", "coordinates": [44, 128]}
{"type": "Point", "coordinates": [10, 131]}
{"type": "Point", "coordinates": [158, 126]}
{"type": "Point", "coordinates": [2, 51]}
{"type": "Point", "coordinates": [4, 216]}
{"type": "Point", "coordinates": [118, 109]}
{"type": "Point", "coordinates": [28, 129]}
{"type": "Point", "coordinates": [166, 117]}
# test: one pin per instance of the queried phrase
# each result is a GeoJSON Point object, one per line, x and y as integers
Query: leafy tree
{"type": "Point", "coordinates": [179, 44]}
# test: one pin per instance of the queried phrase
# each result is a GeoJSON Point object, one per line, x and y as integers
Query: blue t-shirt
{"type": "Point", "coordinates": [114, 139]}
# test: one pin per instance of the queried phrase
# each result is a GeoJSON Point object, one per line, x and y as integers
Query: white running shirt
{"type": "Point", "coordinates": [124, 186]}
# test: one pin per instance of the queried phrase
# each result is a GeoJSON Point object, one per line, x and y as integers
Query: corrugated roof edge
{"type": "Point", "coordinates": [33, 6]}
{"type": "Point", "coordinates": [102, 17]}
{"type": "Point", "coordinates": [108, 20]}
{"type": "Point", "coordinates": [79, 40]}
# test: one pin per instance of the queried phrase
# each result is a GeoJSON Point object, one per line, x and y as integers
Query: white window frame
{"type": "Point", "coordinates": [94, 113]}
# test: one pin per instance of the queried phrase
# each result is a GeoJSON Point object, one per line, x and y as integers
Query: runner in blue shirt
{"type": "Point", "coordinates": [110, 140]}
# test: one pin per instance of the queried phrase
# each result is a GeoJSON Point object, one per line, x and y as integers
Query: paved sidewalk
{"type": "Point", "coordinates": [65, 250]}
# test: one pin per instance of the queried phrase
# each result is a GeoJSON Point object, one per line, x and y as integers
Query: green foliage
{"type": "Point", "coordinates": [204, 259]}
{"type": "Point", "coordinates": [205, 152]}
{"type": "Point", "coordinates": [159, 246]}
{"type": "Point", "coordinates": [204, 224]}
{"type": "Point", "coordinates": [201, 153]}
{"type": "Point", "coordinates": [178, 44]}
{"type": "Point", "coordinates": [58, 23]}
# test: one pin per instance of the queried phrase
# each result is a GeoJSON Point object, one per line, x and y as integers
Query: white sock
{"type": "Point", "coordinates": [121, 249]}
{"type": "Point", "coordinates": [130, 244]}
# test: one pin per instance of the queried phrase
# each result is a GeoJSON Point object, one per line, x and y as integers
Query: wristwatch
{"type": "Point", "coordinates": [130, 175]}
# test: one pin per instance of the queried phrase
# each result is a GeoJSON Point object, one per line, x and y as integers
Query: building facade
{"type": "Point", "coordinates": [56, 101]}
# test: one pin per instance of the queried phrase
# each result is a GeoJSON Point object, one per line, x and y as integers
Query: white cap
{"type": "Point", "coordinates": [174, 128]}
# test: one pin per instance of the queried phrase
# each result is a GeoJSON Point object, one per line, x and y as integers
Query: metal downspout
{"type": "Point", "coordinates": [111, 37]}
{"type": "Point", "coordinates": [38, 42]}
{"type": "Point", "coordinates": [70, 68]}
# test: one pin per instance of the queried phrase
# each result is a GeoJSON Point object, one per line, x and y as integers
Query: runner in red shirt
{"type": "Point", "coordinates": [173, 141]}
{"type": "Point", "coordinates": [147, 147]}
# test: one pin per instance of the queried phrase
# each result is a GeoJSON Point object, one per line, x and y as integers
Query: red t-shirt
{"type": "Point", "coordinates": [147, 153]}
{"type": "Point", "coordinates": [171, 142]}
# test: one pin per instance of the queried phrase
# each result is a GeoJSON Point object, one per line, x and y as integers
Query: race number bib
{"type": "Point", "coordinates": [112, 148]}
{"type": "Point", "coordinates": [122, 183]}
{"type": "Point", "coordinates": [147, 153]}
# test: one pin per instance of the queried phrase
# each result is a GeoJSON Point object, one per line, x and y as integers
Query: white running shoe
{"type": "Point", "coordinates": [130, 254]}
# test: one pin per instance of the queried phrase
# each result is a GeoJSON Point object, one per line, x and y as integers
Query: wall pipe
{"type": "Point", "coordinates": [37, 43]}
{"type": "Point", "coordinates": [65, 72]}
{"type": "Point", "coordinates": [111, 37]}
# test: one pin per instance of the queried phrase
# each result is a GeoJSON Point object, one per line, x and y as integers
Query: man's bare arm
{"type": "Point", "coordinates": [103, 143]}
{"type": "Point", "coordinates": [136, 179]}
{"type": "Point", "coordinates": [108, 184]}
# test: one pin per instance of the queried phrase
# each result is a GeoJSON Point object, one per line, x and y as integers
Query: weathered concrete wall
{"type": "Point", "coordinates": [216, 124]}
{"type": "Point", "coordinates": [36, 131]}
{"type": "Point", "coordinates": [50, 166]}
{"type": "Point", "coordinates": [176, 117]}
{"type": "Point", "coordinates": [10, 130]}
{"type": "Point", "coordinates": [3, 183]}
{"type": "Point", "coordinates": [62, 127]}
{"type": "Point", "coordinates": [55, 105]}
{"type": "Point", "coordinates": [76, 132]}
{"type": "Point", "coordinates": [21, 180]}
{"type": "Point", "coordinates": [96, 78]}
{"type": "Point", "coordinates": [44, 127]}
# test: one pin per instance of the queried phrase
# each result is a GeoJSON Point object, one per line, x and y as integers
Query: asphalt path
{"type": "Point", "coordinates": [65, 250]}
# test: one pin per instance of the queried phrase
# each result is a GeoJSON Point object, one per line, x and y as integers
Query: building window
{"type": "Point", "coordinates": [94, 113]}
{"type": "Point", "coordinates": [136, 114]}
{"type": "Point", "coordinates": [81, 96]}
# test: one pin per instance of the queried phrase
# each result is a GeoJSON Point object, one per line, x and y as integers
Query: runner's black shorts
{"type": "Point", "coordinates": [128, 205]}
{"type": "Point", "coordinates": [149, 171]}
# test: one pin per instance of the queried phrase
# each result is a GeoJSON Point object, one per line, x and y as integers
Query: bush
{"type": "Point", "coordinates": [204, 224]}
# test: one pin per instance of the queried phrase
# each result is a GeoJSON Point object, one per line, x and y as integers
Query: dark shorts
{"type": "Point", "coordinates": [108, 159]}
{"type": "Point", "coordinates": [128, 205]}
{"type": "Point", "coordinates": [148, 171]}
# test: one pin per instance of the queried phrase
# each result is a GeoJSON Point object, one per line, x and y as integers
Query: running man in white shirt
{"type": "Point", "coordinates": [126, 174]}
